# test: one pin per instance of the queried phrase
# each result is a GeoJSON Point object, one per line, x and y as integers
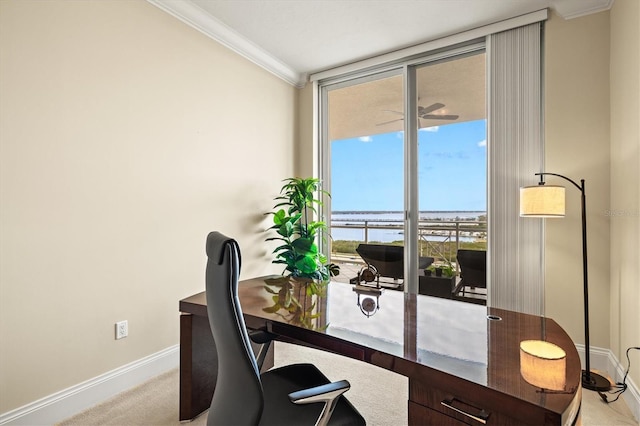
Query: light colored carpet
{"type": "Point", "coordinates": [380, 396]}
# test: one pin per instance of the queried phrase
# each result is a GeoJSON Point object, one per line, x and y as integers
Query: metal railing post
{"type": "Point", "coordinates": [366, 231]}
{"type": "Point", "coordinates": [457, 244]}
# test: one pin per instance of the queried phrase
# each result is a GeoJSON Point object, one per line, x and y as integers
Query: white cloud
{"type": "Point", "coordinates": [430, 129]}
{"type": "Point", "coordinates": [365, 138]}
{"type": "Point", "coordinates": [482, 143]}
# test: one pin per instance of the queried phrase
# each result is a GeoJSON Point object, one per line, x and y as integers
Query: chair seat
{"type": "Point", "coordinates": [278, 410]}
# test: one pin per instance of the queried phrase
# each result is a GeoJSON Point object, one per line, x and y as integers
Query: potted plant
{"type": "Point", "coordinates": [441, 270]}
{"type": "Point", "coordinates": [305, 267]}
{"type": "Point", "coordinates": [447, 270]}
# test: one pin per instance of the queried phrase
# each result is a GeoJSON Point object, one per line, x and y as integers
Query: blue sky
{"type": "Point", "coordinates": [367, 172]}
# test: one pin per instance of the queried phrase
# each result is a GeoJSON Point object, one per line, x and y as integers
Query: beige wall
{"type": "Point", "coordinates": [126, 137]}
{"type": "Point", "coordinates": [577, 145]}
{"type": "Point", "coordinates": [592, 116]}
{"type": "Point", "coordinates": [625, 181]}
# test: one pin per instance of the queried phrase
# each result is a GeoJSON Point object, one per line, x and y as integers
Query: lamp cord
{"type": "Point", "coordinates": [620, 387]}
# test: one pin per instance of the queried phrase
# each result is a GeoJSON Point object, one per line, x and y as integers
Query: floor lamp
{"type": "Point", "coordinates": [548, 201]}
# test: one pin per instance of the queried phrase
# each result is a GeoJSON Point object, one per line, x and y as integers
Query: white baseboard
{"type": "Point", "coordinates": [604, 360]}
{"type": "Point", "coordinates": [68, 402]}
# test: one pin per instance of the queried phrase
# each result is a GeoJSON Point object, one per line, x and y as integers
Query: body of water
{"type": "Point", "coordinates": [393, 218]}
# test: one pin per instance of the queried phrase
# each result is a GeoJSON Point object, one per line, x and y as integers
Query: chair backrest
{"type": "Point", "coordinates": [237, 398]}
{"type": "Point", "coordinates": [388, 260]}
{"type": "Point", "coordinates": [473, 267]}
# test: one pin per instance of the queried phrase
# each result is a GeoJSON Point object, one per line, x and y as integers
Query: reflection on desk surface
{"type": "Point", "coordinates": [448, 335]}
{"type": "Point", "coordinates": [452, 337]}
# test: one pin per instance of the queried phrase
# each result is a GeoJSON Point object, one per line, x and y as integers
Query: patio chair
{"type": "Point", "coordinates": [387, 260]}
{"type": "Point", "coordinates": [473, 270]}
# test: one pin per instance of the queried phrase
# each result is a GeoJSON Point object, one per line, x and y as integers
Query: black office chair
{"type": "Point", "coordinates": [242, 395]}
{"type": "Point", "coordinates": [473, 269]}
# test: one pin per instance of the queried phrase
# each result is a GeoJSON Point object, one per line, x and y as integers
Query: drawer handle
{"type": "Point", "coordinates": [481, 416]}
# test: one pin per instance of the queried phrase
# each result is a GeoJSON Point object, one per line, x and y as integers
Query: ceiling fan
{"type": "Point", "coordinates": [425, 113]}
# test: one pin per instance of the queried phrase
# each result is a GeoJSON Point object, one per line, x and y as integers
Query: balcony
{"type": "Point", "coordinates": [439, 239]}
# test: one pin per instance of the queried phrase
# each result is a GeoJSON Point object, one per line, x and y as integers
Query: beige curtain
{"type": "Point", "coordinates": [515, 246]}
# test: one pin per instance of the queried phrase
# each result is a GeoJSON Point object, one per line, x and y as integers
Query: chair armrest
{"type": "Point", "coordinates": [328, 394]}
{"type": "Point", "coordinates": [264, 339]}
{"type": "Point", "coordinates": [261, 336]}
{"type": "Point", "coordinates": [320, 393]}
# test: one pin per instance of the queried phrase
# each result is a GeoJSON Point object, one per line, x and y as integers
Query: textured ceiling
{"type": "Point", "coordinates": [295, 37]}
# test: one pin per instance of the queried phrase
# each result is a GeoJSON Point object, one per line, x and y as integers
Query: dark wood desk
{"type": "Point", "coordinates": [450, 351]}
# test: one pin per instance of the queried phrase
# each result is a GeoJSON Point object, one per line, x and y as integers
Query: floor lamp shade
{"type": "Point", "coordinates": [542, 201]}
{"type": "Point", "coordinates": [543, 364]}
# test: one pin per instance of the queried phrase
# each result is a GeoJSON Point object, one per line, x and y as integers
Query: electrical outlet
{"type": "Point", "coordinates": [122, 329]}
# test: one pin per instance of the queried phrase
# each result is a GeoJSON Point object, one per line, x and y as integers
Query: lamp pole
{"type": "Point", "coordinates": [590, 380]}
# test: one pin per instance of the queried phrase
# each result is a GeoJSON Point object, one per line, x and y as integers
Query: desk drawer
{"type": "Point", "coordinates": [461, 407]}
{"type": "Point", "coordinates": [420, 415]}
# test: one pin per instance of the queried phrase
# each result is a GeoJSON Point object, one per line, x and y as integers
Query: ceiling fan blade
{"type": "Point", "coordinates": [439, 117]}
{"type": "Point", "coordinates": [395, 112]}
{"type": "Point", "coordinates": [389, 122]}
{"type": "Point", "coordinates": [423, 112]}
{"type": "Point", "coordinates": [433, 107]}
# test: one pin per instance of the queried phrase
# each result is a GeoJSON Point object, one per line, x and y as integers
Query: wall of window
{"type": "Point", "coordinates": [513, 144]}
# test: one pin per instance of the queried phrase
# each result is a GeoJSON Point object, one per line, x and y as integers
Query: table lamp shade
{"type": "Point", "coordinates": [543, 364]}
{"type": "Point", "coordinates": [542, 201]}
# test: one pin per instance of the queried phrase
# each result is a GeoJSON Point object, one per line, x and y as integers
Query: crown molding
{"type": "Point", "coordinates": [192, 15]}
{"type": "Point", "coordinates": [569, 9]}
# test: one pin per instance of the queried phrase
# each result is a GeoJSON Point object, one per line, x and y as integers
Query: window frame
{"type": "Point", "coordinates": [407, 68]}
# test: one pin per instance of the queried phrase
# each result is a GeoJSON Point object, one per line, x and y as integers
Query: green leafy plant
{"type": "Point", "coordinates": [446, 269]}
{"type": "Point", "coordinates": [293, 303]}
{"type": "Point", "coordinates": [306, 272]}
{"type": "Point", "coordinates": [298, 232]}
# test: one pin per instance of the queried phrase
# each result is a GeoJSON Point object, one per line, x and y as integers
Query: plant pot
{"type": "Point", "coordinates": [438, 272]}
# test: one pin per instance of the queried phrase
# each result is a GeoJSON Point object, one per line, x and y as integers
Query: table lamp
{"type": "Point", "coordinates": [547, 201]}
{"type": "Point", "coordinates": [543, 364]}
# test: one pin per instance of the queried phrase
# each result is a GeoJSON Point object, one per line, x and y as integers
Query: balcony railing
{"type": "Point", "coordinates": [439, 239]}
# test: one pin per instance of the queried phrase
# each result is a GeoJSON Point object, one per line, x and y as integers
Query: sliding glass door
{"type": "Point", "coordinates": [418, 183]}
{"type": "Point", "coordinates": [452, 166]}
{"type": "Point", "coordinates": [365, 173]}
{"type": "Point", "coordinates": [367, 154]}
